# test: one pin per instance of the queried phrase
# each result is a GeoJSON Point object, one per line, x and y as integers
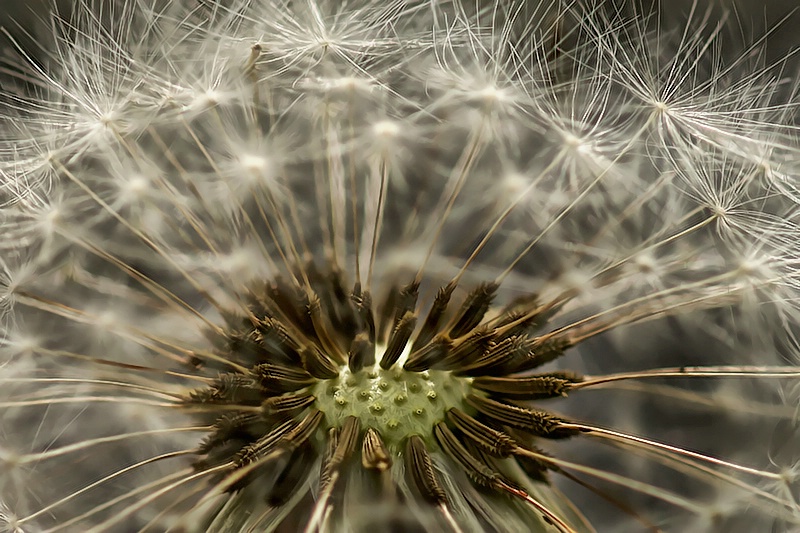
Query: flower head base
{"type": "Point", "coordinates": [396, 403]}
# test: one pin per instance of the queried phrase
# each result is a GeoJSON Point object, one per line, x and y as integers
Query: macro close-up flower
{"type": "Point", "coordinates": [399, 265]}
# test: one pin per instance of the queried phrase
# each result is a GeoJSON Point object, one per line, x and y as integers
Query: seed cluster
{"type": "Point", "coordinates": [308, 382]}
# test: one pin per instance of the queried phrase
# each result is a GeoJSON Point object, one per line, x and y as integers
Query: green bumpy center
{"type": "Point", "coordinates": [395, 402]}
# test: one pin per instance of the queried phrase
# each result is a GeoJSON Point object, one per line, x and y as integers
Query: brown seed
{"type": "Point", "coordinates": [386, 311]}
{"type": "Point", "coordinates": [435, 315]}
{"type": "Point", "coordinates": [469, 349]}
{"type": "Point", "coordinates": [429, 355]}
{"type": "Point", "coordinates": [473, 309]}
{"type": "Point", "coordinates": [419, 464]}
{"type": "Point", "coordinates": [345, 446]}
{"type": "Point", "coordinates": [278, 379]}
{"type": "Point", "coordinates": [290, 303]}
{"type": "Point", "coordinates": [488, 439]}
{"type": "Point", "coordinates": [407, 301]}
{"type": "Point", "coordinates": [230, 387]}
{"type": "Point", "coordinates": [323, 330]}
{"type": "Point", "coordinates": [374, 454]}
{"type": "Point", "coordinates": [361, 353]}
{"type": "Point", "coordinates": [499, 357]}
{"type": "Point", "coordinates": [226, 427]}
{"type": "Point", "coordinates": [265, 444]}
{"type": "Point", "coordinates": [543, 350]}
{"type": "Point", "coordinates": [540, 423]}
{"type": "Point", "coordinates": [317, 363]}
{"type": "Point", "coordinates": [287, 403]}
{"type": "Point", "coordinates": [398, 340]}
{"type": "Point", "coordinates": [330, 448]}
{"type": "Point", "coordinates": [303, 431]}
{"type": "Point", "coordinates": [536, 387]}
{"type": "Point", "coordinates": [363, 304]}
{"type": "Point", "coordinates": [475, 469]}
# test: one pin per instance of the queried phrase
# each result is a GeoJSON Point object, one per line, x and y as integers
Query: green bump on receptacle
{"type": "Point", "coordinates": [394, 402]}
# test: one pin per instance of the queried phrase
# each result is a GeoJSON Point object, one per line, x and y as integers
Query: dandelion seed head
{"type": "Point", "coordinates": [336, 266]}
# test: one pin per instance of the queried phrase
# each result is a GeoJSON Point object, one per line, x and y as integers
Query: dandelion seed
{"type": "Point", "coordinates": [276, 266]}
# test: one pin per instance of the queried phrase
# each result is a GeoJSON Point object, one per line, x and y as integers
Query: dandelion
{"type": "Point", "coordinates": [321, 266]}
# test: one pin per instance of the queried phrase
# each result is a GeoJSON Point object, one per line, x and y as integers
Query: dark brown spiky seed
{"type": "Point", "coordinates": [406, 301]}
{"type": "Point", "coordinates": [488, 439]}
{"type": "Point", "coordinates": [363, 303]}
{"type": "Point", "coordinates": [398, 339]}
{"type": "Point", "coordinates": [323, 330]}
{"type": "Point", "coordinates": [300, 434]}
{"type": "Point", "coordinates": [475, 469]}
{"type": "Point", "coordinates": [265, 444]}
{"type": "Point", "coordinates": [374, 454]}
{"type": "Point", "coordinates": [536, 387]}
{"type": "Point", "coordinates": [317, 363]}
{"type": "Point", "coordinates": [473, 309]}
{"type": "Point", "coordinates": [376, 458]}
{"type": "Point", "coordinates": [286, 437]}
{"type": "Point", "coordinates": [333, 298]}
{"type": "Point", "coordinates": [434, 317]}
{"type": "Point", "coordinates": [229, 426]}
{"type": "Point", "coordinates": [468, 349]}
{"type": "Point", "coordinates": [540, 423]}
{"type": "Point", "coordinates": [386, 314]}
{"type": "Point", "coordinates": [290, 303]}
{"type": "Point", "coordinates": [331, 444]}
{"type": "Point", "coordinates": [499, 357]}
{"type": "Point", "coordinates": [229, 388]}
{"type": "Point", "coordinates": [345, 446]}
{"type": "Point", "coordinates": [420, 466]}
{"type": "Point", "coordinates": [361, 353]}
{"type": "Point", "coordinates": [274, 335]}
{"type": "Point", "coordinates": [544, 350]}
{"type": "Point", "coordinates": [517, 308]}
{"type": "Point", "coordinates": [430, 354]}
{"type": "Point", "coordinates": [278, 379]}
{"type": "Point", "coordinates": [288, 403]}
